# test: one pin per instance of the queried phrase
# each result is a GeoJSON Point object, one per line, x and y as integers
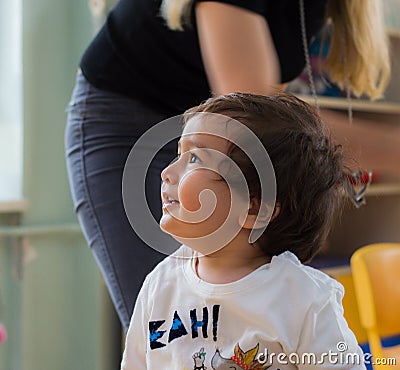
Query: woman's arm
{"type": "Point", "coordinates": [237, 49]}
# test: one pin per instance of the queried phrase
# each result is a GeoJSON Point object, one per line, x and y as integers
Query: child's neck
{"type": "Point", "coordinates": [230, 263]}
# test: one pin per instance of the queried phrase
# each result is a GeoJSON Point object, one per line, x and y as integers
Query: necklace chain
{"type": "Point", "coordinates": [307, 54]}
{"type": "Point", "coordinates": [309, 69]}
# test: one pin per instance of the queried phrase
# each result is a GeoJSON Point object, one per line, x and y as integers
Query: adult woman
{"type": "Point", "coordinates": [143, 67]}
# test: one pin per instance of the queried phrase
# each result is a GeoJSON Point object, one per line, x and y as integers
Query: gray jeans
{"type": "Point", "coordinates": [101, 129]}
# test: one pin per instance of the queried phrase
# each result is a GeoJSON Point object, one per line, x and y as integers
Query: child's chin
{"type": "Point", "coordinates": [167, 226]}
{"type": "Point", "coordinates": [164, 225]}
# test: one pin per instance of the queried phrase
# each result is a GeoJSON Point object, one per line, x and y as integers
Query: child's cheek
{"type": "Point", "coordinates": [215, 196]}
{"type": "Point", "coordinates": [190, 188]}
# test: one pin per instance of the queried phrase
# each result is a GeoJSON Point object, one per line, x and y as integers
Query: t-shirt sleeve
{"type": "Point", "coordinates": [134, 357]}
{"type": "Point", "coordinates": [326, 339]}
{"type": "Point", "coordinates": [257, 6]}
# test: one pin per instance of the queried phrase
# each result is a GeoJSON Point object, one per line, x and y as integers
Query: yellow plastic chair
{"type": "Point", "coordinates": [376, 276]}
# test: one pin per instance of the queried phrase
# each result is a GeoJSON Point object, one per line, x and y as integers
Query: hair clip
{"type": "Point", "coordinates": [354, 181]}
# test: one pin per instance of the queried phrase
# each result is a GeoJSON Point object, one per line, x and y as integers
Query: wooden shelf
{"type": "Point", "coordinates": [15, 206]}
{"type": "Point", "coordinates": [393, 31]}
{"type": "Point", "coordinates": [384, 189]}
{"type": "Point", "coordinates": [356, 104]}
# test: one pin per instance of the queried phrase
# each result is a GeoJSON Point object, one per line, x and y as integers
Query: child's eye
{"type": "Point", "coordinates": [193, 158]}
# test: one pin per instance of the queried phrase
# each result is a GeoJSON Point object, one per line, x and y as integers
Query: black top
{"type": "Point", "coordinates": [136, 54]}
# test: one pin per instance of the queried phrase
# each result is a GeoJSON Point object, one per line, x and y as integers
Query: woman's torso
{"type": "Point", "coordinates": [137, 55]}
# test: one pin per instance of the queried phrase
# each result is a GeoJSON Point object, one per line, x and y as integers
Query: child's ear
{"type": "Point", "coordinates": [265, 212]}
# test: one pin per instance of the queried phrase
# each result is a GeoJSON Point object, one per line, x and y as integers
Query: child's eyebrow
{"type": "Point", "coordinates": [194, 144]}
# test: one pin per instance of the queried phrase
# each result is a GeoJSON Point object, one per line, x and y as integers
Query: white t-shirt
{"type": "Point", "coordinates": [283, 314]}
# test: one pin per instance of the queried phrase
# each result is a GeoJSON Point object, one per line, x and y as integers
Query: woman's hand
{"type": "Point", "coordinates": [237, 49]}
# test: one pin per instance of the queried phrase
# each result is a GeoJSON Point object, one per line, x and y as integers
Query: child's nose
{"type": "Point", "coordinates": [169, 174]}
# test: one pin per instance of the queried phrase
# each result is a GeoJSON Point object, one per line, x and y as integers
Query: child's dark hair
{"type": "Point", "coordinates": [308, 167]}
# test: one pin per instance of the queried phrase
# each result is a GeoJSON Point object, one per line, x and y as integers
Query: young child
{"type": "Point", "coordinates": [225, 300]}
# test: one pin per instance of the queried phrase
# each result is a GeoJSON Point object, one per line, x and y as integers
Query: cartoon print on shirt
{"type": "Point", "coordinates": [240, 360]}
{"type": "Point", "coordinates": [199, 358]}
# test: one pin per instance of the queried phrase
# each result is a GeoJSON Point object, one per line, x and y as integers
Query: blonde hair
{"type": "Point", "coordinates": [354, 61]}
{"type": "Point", "coordinates": [359, 57]}
{"type": "Point", "coordinates": [176, 13]}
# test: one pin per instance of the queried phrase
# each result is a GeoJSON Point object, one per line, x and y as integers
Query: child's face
{"type": "Point", "coordinates": [196, 200]}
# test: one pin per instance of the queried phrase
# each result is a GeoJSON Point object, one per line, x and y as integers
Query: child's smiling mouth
{"type": "Point", "coordinates": [169, 201]}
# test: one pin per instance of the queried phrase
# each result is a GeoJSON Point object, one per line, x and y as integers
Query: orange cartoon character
{"type": "Point", "coordinates": [240, 360]}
